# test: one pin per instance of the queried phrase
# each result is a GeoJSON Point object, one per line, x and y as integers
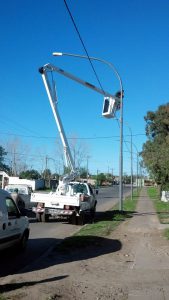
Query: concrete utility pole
{"type": "Point", "coordinates": [131, 158]}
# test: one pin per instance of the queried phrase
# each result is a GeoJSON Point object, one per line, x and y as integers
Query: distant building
{"type": "Point", "coordinates": [4, 178]}
{"type": "Point", "coordinates": [89, 180]}
{"type": "Point", "coordinates": [36, 184]}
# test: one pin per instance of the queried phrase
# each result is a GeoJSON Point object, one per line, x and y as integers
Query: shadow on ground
{"type": "Point", "coordinates": [113, 215]}
{"type": "Point", "coordinates": [85, 247]}
{"type": "Point", "coordinates": [18, 285]}
{"type": "Point", "coordinates": [81, 248]}
{"type": "Point", "coordinates": [12, 262]}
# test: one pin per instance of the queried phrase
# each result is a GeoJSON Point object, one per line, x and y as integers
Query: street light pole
{"type": "Point", "coordinates": [131, 158]}
{"type": "Point", "coordinates": [137, 165]}
{"type": "Point", "coordinates": [121, 156]}
{"type": "Point", "coordinates": [131, 166]}
{"type": "Point", "coordinates": [121, 116]}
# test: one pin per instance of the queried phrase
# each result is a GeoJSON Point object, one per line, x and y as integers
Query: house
{"type": "Point", "coordinates": [4, 178]}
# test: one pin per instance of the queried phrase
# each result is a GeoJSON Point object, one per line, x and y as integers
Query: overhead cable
{"type": "Point", "coordinates": [79, 35]}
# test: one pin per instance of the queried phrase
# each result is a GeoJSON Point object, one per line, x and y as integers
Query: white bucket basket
{"type": "Point", "coordinates": [109, 107]}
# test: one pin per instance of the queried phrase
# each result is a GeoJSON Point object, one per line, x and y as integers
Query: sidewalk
{"type": "Point", "coordinates": [151, 254]}
{"type": "Point", "coordinates": [145, 219]}
{"type": "Point", "coordinates": [132, 263]}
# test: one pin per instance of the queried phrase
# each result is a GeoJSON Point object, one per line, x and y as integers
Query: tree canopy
{"type": "Point", "coordinates": [3, 166]}
{"type": "Point", "coordinates": [30, 174]}
{"type": "Point", "coordinates": [155, 151]}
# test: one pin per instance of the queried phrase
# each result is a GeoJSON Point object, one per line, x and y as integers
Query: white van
{"type": "Point", "coordinates": [14, 228]}
{"type": "Point", "coordinates": [23, 190]}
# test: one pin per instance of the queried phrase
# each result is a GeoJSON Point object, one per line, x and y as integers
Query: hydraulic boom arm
{"type": "Point", "coordinates": [53, 102]}
{"type": "Point", "coordinates": [48, 68]}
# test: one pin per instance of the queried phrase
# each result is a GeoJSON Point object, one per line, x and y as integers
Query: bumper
{"type": "Point", "coordinates": [53, 212]}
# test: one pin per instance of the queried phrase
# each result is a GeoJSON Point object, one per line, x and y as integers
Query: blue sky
{"type": "Point", "coordinates": [131, 34]}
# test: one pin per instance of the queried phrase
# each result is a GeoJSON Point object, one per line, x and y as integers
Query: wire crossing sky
{"type": "Point", "coordinates": [133, 35]}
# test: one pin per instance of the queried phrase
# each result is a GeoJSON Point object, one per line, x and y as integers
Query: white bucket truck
{"type": "Point", "coordinates": [72, 199]}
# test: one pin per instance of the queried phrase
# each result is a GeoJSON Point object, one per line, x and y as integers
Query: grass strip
{"type": "Point", "coordinates": [104, 224]}
{"type": "Point", "coordinates": [162, 208]}
{"type": "Point", "coordinates": [2, 297]}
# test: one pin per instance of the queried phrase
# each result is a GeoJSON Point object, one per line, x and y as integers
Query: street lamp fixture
{"type": "Point", "coordinates": [120, 94]}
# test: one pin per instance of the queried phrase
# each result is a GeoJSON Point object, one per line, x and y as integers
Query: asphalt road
{"type": "Point", "coordinates": [45, 235]}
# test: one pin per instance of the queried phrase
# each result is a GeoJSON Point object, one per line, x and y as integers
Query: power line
{"type": "Point", "coordinates": [29, 155]}
{"type": "Point", "coordinates": [6, 119]}
{"type": "Point", "coordinates": [117, 120]}
{"type": "Point", "coordinates": [70, 138]}
{"type": "Point", "coordinates": [79, 35]}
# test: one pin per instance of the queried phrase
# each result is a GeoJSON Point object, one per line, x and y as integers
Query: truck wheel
{"type": "Point", "coordinates": [38, 217]}
{"type": "Point", "coordinates": [92, 213]}
{"type": "Point", "coordinates": [73, 219]}
{"type": "Point", "coordinates": [80, 219]}
{"type": "Point", "coordinates": [44, 217]}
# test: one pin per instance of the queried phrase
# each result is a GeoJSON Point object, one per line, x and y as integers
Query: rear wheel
{"type": "Point", "coordinates": [38, 217]}
{"type": "Point", "coordinates": [92, 213]}
{"type": "Point", "coordinates": [73, 219]}
{"type": "Point", "coordinates": [81, 219]}
{"type": "Point", "coordinates": [44, 217]}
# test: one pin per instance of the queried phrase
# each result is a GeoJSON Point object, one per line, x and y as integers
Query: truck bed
{"type": "Point", "coordinates": [54, 200]}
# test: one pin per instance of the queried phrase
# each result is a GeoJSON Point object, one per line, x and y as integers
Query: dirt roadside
{"type": "Point", "coordinates": [131, 263]}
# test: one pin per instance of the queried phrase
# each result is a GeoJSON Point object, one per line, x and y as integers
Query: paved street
{"type": "Point", "coordinates": [45, 235]}
{"type": "Point", "coordinates": [131, 263]}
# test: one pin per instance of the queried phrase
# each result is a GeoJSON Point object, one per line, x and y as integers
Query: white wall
{"type": "Point", "coordinates": [35, 184]}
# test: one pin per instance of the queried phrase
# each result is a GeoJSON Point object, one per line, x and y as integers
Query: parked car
{"type": "Point", "coordinates": [14, 227]}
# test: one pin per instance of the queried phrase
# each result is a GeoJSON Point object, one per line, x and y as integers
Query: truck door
{"type": "Point", "coordinates": [86, 205]}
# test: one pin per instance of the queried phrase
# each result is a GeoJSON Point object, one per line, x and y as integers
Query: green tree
{"type": "Point", "coordinates": [47, 174]}
{"type": "Point", "coordinates": [126, 178]}
{"type": "Point", "coordinates": [100, 178]}
{"type": "Point", "coordinates": [83, 172]}
{"type": "Point", "coordinates": [55, 176]}
{"type": "Point", "coordinates": [30, 174]}
{"type": "Point", "coordinates": [155, 151]}
{"type": "Point", "coordinates": [3, 166]}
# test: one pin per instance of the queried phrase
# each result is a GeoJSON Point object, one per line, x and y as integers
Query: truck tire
{"type": "Point", "coordinates": [93, 212]}
{"type": "Point", "coordinates": [38, 217]}
{"type": "Point", "coordinates": [73, 219]}
{"type": "Point", "coordinates": [81, 219]}
{"type": "Point", "coordinates": [44, 217]}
